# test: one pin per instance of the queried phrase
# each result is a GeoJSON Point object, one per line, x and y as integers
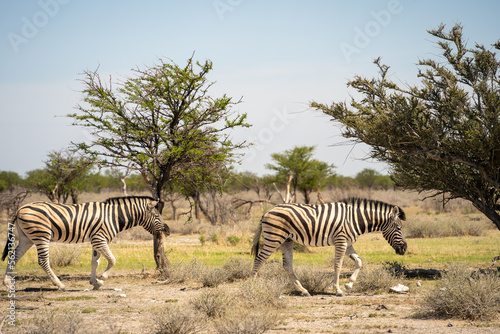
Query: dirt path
{"type": "Point", "coordinates": [127, 302]}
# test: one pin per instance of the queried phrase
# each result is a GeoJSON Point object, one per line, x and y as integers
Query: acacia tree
{"type": "Point", "coordinates": [156, 122]}
{"type": "Point", "coordinates": [442, 135]}
{"type": "Point", "coordinates": [63, 176]}
{"type": "Point", "coordinates": [307, 173]}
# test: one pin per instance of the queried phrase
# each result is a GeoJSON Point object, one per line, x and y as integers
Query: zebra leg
{"type": "Point", "coordinates": [358, 264]}
{"type": "Point", "coordinates": [23, 245]}
{"type": "Point", "coordinates": [264, 254]}
{"type": "Point", "coordinates": [106, 252]}
{"type": "Point", "coordinates": [287, 250]}
{"type": "Point", "coordinates": [44, 262]}
{"type": "Point", "coordinates": [340, 248]}
{"type": "Point", "coordinates": [97, 283]}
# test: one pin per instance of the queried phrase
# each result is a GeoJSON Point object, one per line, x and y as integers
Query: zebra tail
{"type": "Point", "coordinates": [256, 241]}
{"type": "Point", "coordinates": [6, 249]}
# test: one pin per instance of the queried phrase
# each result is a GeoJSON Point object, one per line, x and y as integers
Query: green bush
{"type": "Point", "coordinates": [233, 240]}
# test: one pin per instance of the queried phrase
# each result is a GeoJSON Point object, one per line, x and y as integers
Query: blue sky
{"type": "Point", "coordinates": [277, 55]}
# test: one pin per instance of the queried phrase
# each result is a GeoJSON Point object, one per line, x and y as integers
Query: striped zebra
{"type": "Point", "coordinates": [338, 224]}
{"type": "Point", "coordinates": [39, 223]}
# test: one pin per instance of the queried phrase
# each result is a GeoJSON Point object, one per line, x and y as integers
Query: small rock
{"type": "Point", "coordinates": [117, 289]}
{"type": "Point", "coordinates": [418, 283]}
{"type": "Point", "coordinates": [122, 295]}
{"type": "Point", "coordinates": [450, 325]}
{"type": "Point", "coordinates": [381, 307]}
{"type": "Point", "coordinates": [400, 288]}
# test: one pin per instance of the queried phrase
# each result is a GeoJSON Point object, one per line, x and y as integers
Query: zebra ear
{"type": "Point", "coordinates": [151, 205]}
{"type": "Point", "coordinates": [398, 212]}
{"type": "Point", "coordinates": [395, 212]}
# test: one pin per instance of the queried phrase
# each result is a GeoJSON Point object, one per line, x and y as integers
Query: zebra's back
{"type": "Point", "coordinates": [310, 225]}
{"type": "Point", "coordinates": [60, 222]}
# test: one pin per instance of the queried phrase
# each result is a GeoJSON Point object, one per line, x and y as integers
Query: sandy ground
{"type": "Point", "coordinates": [126, 304]}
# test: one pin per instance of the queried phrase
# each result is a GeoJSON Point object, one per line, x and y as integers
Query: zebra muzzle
{"type": "Point", "coordinates": [401, 248]}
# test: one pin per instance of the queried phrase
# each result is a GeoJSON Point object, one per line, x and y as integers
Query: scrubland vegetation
{"type": "Point", "coordinates": [216, 260]}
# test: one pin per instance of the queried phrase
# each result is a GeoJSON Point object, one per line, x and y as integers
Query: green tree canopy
{"type": "Point", "coordinates": [160, 123]}
{"type": "Point", "coordinates": [442, 134]}
{"type": "Point", "coordinates": [308, 173]}
{"type": "Point", "coordinates": [63, 177]}
{"type": "Point", "coordinates": [9, 180]}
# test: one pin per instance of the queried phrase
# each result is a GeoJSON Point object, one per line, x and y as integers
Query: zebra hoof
{"type": "Point", "coordinates": [348, 286]}
{"type": "Point", "coordinates": [98, 283]}
{"type": "Point", "coordinates": [340, 294]}
{"type": "Point", "coordinates": [305, 294]}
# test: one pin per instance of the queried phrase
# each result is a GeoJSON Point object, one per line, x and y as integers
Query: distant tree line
{"type": "Point", "coordinates": [65, 176]}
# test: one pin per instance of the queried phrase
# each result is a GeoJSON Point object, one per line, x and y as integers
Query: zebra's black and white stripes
{"type": "Point", "coordinates": [39, 223]}
{"type": "Point", "coordinates": [334, 224]}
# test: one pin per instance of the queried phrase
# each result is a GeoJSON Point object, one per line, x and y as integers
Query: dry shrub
{"type": "Point", "coordinates": [175, 319]}
{"type": "Point", "coordinates": [181, 272]}
{"type": "Point", "coordinates": [212, 277]}
{"type": "Point", "coordinates": [50, 322]}
{"type": "Point", "coordinates": [137, 233]}
{"type": "Point", "coordinates": [371, 280]}
{"type": "Point", "coordinates": [314, 280]}
{"type": "Point", "coordinates": [243, 321]}
{"type": "Point", "coordinates": [273, 270]}
{"type": "Point", "coordinates": [64, 255]}
{"type": "Point", "coordinates": [258, 293]}
{"type": "Point", "coordinates": [432, 226]}
{"type": "Point", "coordinates": [213, 303]}
{"type": "Point", "coordinates": [464, 294]}
{"type": "Point", "coordinates": [237, 268]}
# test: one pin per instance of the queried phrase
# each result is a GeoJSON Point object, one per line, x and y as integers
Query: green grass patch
{"type": "Point", "coordinates": [422, 253]}
{"type": "Point", "coordinates": [89, 310]}
{"type": "Point", "coordinates": [69, 298]}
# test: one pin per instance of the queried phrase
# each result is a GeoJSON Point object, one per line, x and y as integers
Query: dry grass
{"type": "Point", "coordinates": [62, 255]}
{"type": "Point", "coordinates": [444, 225]}
{"type": "Point", "coordinates": [464, 294]}
{"type": "Point", "coordinates": [177, 319]}
{"type": "Point", "coordinates": [53, 322]}
{"type": "Point", "coordinates": [314, 280]}
{"type": "Point", "coordinates": [374, 279]}
{"type": "Point", "coordinates": [242, 321]}
{"type": "Point", "coordinates": [213, 303]}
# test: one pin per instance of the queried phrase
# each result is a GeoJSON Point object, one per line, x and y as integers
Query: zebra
{"type": "Point", "coordinates": [338, 224]}
{"type": "Point", "coordinates": [39, 223]}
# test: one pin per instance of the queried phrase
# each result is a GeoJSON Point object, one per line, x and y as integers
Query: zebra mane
{"type": "Point", "coordinates": [363, 203]}
{"type": "Point", "coordinates": [113, 200]}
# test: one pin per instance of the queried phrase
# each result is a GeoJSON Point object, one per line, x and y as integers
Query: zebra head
{"type": "Point", "coordinates": [393, 232]}
{"type": "Point", "coordinates": [159, 226]}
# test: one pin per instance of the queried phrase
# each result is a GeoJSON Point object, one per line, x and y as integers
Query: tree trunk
{"type": "Point", "coordinates": [162, 263]}
{"type": "Point", "coordinates": [489, 212]}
